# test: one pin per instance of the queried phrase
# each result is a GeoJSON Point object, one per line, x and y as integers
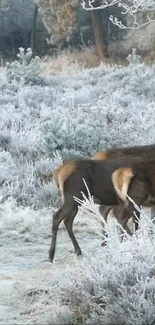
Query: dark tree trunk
{"type": "Point", "coordinates": [33, 30]}
{"type": "Point", "coordinates": [101, 47]}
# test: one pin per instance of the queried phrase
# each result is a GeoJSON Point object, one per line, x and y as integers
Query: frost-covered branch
{"type": "Point", "coordinates": [131, 8]}
{"type": "Point", "coordinates": [90, 5]}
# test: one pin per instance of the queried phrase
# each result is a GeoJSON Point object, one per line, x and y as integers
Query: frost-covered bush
{"type": "Point", "coordinates": [134, 58]}
{"type": "Point", "coordinates": [116, 284]}
{"type": "Point", "coordinates": [61, 135]}
{"type": "Point", "coordinates": [67, 116]}
{"type": "Point", "coordinates": [8, 168]}
{"type": "Point", "coordinates": [110, 285]}
{"type": "Point", "coordinates": [111, 290]}
{"type": "Point", "coordinates": [25, 70]}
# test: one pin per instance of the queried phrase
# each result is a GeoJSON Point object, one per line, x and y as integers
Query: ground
{"type": "Point", "coordinates": [24, 259]}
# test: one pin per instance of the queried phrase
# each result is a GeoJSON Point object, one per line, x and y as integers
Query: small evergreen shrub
{"type": "Point", "coordinates": [26, 69]}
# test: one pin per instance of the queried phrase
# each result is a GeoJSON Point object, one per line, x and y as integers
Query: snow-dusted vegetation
{"type": "Point", "coordinates": [44, 119]}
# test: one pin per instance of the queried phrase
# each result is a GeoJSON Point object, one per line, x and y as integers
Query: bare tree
{"type": "Point", "coordinates": [133, 8]}
{"type": "Point", "coordinates": [59, 18]}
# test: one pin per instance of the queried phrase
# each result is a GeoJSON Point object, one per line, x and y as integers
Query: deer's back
{"type": "Point", "coordinates": [147, 150]}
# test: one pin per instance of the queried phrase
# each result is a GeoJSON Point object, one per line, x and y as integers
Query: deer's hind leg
{"type": "Point", "coordinates": [69, 226]}
{"type": "Point", "coordinates": [116, 210]}
{"type": "Point", "coordinates": [66, 211]}
{"type": "Point", "coordinates": [153, 213]}
{"type": "Point", "coordinates": [139, 192]}
{"type": "Point", "coordinates": [104, 211]}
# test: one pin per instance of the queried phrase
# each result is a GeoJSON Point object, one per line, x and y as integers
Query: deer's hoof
{"type": "Point", "coordinates": [78, 252]}
{"type": "Point", "coordinates": [104, 243]}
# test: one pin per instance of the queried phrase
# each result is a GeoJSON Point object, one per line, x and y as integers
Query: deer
{"type": "Point", "coordinates": [108, 183]}
{"type": "Point", "coordinates": [115, 153]}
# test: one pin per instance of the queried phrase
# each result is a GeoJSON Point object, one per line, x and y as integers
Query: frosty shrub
{"type": "Point", "coordinates": [58, 136]}
{"type": "Point", "coordinates": [26, 69]}
{"type": "Point", "coordinates": [8, 168]}
{"type": "Point", "coordinates": [116, 284]}
{"type": "Point", "coordinates": [110, 290]}
{"type": "Point", "coordinates": [134, 58]}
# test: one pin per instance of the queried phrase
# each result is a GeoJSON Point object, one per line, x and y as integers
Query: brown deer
{"type": "Point", "coordinates": [108, 183]}
{"type": "Point", "coordinates": [142, 151]}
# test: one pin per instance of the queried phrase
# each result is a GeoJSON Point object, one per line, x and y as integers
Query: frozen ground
{"type": "Point", "coordinates": [29, 284]}
{"type": "Point", "coordinates": [25, 239]}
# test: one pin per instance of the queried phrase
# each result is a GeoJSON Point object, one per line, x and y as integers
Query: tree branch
{"type": "Point", "coordinates": [132, 8]}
